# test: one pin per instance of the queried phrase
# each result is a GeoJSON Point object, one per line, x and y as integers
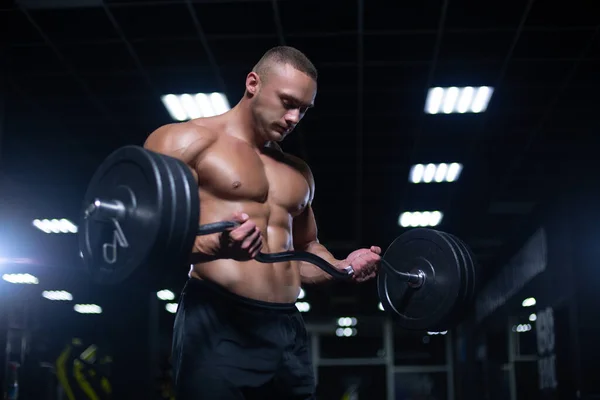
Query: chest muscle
{"type": "Point", "coordinates": [236, 174]}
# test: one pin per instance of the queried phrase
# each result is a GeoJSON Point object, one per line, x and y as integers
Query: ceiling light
{"type": "Point", "coordinates": [347, 321]}
{"type": "Point", "coordinates": [529, 302]}
{"type": "Point", "coordinates": [55, 225]}
{"type": "Point", "coordinates": [452, 100]}
{"type": "Point", "coordinates": [420, 218]}
{"type": "Point", "coordinates": [165, 295]}
{"type": "Point", "coordinates": [533, 317]}
{"type": "Point", "coordinates": [171, 307]}
{"type": "Point", "coordinates": [57, 295]}
{"type": "Point", "coordinates": [187, 106]}
{"type": "Point", "coordinates": [303, 306]}
{"type": "Point", "coordinates": [345, 332]}
{"type": "Point", "coordinates": [435, 173]}
{"type": "Point", "coordinates": [88, 308]}
{"type": "Point", "coordinates": [21, 279]}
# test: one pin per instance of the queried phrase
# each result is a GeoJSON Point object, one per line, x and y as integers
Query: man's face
{"type": "Point", "coordinates": [281, 101]}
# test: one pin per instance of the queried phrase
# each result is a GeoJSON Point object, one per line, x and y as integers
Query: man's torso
{"type": "Point", "coordinates": [267, 185]}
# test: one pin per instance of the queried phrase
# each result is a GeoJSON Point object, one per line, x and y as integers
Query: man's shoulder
{"type": "Point", "coordinates": [189, 129]}
{"type": "Point", "coordinates": [182, 139]}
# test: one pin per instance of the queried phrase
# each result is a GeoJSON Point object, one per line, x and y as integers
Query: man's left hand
{"type": "Point", "coordinates": [364, 262]}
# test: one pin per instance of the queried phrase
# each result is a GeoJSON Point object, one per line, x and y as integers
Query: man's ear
{"type": "Point", "coordinates": [252, 83]}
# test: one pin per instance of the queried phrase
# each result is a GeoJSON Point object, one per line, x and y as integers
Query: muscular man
{"type": "Point", "coordinates": [237, 333]}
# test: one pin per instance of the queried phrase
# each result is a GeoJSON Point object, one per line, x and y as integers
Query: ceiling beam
{"type": "Point", "coordinates": [360, 56]}
{"type": "Point", "coordinates": [72, 72]}
{"type": "Point", "coordinates": [209, 54]}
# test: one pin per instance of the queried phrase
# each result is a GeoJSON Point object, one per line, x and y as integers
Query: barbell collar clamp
{"type": "Point", "coordinates": [415, 278]}
{"type": "Point", "coordinates": [106, 210]}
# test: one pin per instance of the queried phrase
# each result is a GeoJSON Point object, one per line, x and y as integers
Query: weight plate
{"type": "Point", "coordinates": [460, 306]}
{"type": "Point", "coordinates": [472, 266]}
{"type": "Point", "coordinates": [113, 251]}
{"type": "Point", "coordinates": [426, 307]}
{"type": "Point", "coordinates": [186, 212]}
{"type": "Point", "coordinates": [153, 269]}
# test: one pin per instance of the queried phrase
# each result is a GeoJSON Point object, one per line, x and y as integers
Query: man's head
{"type": "Point", "coordinates": [281, 88]}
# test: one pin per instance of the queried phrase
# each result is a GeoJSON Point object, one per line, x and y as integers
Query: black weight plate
{"type": "Point", "coordinates": [153, 268]}
{"type": "Point", "coordinates": [461, 303]}
{"type": "Point", "coordinates": [133, 176]}
{"type": "Point", "coordinates": [186, 213]}
{"type": "Point", "coordinates": [472, 265]}
{"type": "Point", "coordinates": [426, 307]}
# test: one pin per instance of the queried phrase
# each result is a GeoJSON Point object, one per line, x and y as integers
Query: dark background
{"type": "Point", "coordinates": [82, 78]}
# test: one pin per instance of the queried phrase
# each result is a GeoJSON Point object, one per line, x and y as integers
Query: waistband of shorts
{"type": "Point", "coordinates": [194, 285]}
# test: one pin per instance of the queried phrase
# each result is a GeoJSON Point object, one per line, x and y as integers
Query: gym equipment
{"type": "Point", "coordinates": [140, 215]}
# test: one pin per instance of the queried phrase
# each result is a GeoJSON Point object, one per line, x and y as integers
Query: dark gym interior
{"type": "Point", "coordinates": [81, 78]}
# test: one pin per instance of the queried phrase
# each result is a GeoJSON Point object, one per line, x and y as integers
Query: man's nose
{"type": "Point", "coordinates": [292, 117]}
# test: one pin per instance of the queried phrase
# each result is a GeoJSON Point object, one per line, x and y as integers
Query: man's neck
{"type": "Point", "coordinates": [241, 125]}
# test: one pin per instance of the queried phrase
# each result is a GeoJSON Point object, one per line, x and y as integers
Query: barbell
{"type": "Point", "coordinates": [140, 216]}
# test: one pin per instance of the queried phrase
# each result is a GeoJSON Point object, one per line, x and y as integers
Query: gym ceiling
{"type": "Point", "coordinates": [85, 77]}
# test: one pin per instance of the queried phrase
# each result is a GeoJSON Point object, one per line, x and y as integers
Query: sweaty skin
{"type": "Point", "coordinates": [238, 172]}
{"type": "Point", "coordinates": [270, 187]}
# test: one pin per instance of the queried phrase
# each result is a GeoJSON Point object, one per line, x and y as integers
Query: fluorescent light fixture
{"type": "Point", "coordinates": [303, 306]}
{"type": "Point", "coordinates": [458, 100]}
{"type": "Point", "coordinates": [171, 307]}
{"type": "Point", "coordinates": [57, 295]}
{"type": "Point", "coordinates": [183, 107]}
{"type": "Point", "coordinates": [21, 279]}
{"type": "Point", "coordinates": [437, 333]}
{"type": "Point", "coordinates": [533, 317]}
{"type": "Point", "coordinates": [165, 295]}
{"type": "Point", "coordinates": [420, 218]}
{"type": "Point", "coordinates": [521, 328]}
{"type": "Point", "coordinates": [88, 308]}
{"type": "Point", "coordinates": [345, 332]}
{"type": "Point", "coordinates": [529, 302]}
{"type": "Point", "coordinates": [55, 225]}
{"type": "Point", "coordinates": [435, 173]}
{"type": "Point", "coordinates": [347, 321]}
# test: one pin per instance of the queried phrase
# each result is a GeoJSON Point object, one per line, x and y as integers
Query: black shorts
{"type": "Point", "coordinates": [230, 347]}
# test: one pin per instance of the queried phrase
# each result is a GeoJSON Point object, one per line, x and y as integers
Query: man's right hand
{"type": "Point", "coordinates": [242, 243]}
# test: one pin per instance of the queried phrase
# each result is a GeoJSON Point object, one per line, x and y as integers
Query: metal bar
{"type": "Point", "coordinates": [350, 362]}
{"type": "Point", "coordinates": [277, 18]}
{"type": "Point", "coordinates": [419, 369]}
{"type": "Point", "coordinates": [430, 76]}
{"type": "Point", "coordinates": [470, 157]}
{"type": "Point", "coordinates": [360, 55]}
{"type": "Point", "coordinates": [3, 89]}
{"type": "Point", "coordinates": [388, 346]}
{"type": "Point", "coordinates": [301, 35]}
{"type": "Point", "coordinates": [91, 96]}
{"type": "Point", "coordinates": [450, 366]}
{"type": "Point", "coordinates": [315, 354]}
{"type": "Point", "coordinates": [512, 378]}
{"type": "Point", "coordinates": [130, 48]}
{"type": "Point", "coordinates": [503, 69]}
{"type": "Point", "coordinates": [431, 73]}
{"type": "Point", "coordinates": [202, 36]}
{"type": "Point", "coordinates": [281, 37]}
{"type": "Point", "coordinates": [535, 132]}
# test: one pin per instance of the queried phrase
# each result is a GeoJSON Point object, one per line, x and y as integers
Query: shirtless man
{"type": "Point", "coordinates": [237, 333]}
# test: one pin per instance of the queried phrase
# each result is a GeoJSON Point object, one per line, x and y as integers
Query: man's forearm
{"type": "Point", "coordinates": [310, 273]}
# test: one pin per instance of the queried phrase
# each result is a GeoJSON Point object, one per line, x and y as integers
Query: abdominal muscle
{"type": "Point", "coordinates": [276, 283]}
